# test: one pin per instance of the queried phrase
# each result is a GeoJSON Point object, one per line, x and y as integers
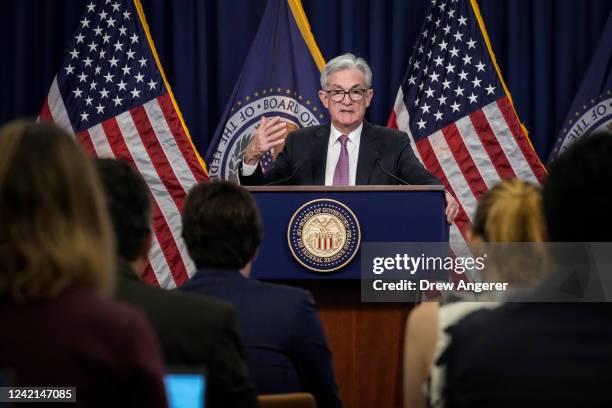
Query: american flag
{"type": "Point", "coordinates": [112, 94]}
{"type": "Point", "coordinates": [456, 108]}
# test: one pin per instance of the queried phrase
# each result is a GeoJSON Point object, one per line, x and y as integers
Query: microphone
{"type": "Point", "coordinates": [378, 160]}
{"type": "Point", "coordinates": [284, 180]}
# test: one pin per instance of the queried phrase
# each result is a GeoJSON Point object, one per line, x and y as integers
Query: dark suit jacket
{"type": "Point", "coordinates": [283, 337]}
{"type": "Point", "coordinates": [195, 331]}
{"type": "Point", "coordinates": [304, 157]}
{"type": "Point", "coordinates": [531, 354]}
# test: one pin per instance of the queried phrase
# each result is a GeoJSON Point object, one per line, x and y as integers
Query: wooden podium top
{"type": "Point", "coordinates": [277, 189]}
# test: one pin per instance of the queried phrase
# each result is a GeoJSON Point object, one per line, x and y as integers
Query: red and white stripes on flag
{"type": "Point", "coordinates": [458, 113]}
{"type": "Point", "coordinates": [117, 113]}
{"type": "Point", "coordinates": [151, 138]}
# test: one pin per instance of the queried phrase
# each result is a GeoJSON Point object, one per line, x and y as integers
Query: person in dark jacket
{"type": "Point", "coordinates": [194, 331]}
{"type": "Point", "coordinates": [551, 346]}
{"type": "Point", "coordinates": [284, 341]}
{"type": "Point", "coordinates": [346, 151]}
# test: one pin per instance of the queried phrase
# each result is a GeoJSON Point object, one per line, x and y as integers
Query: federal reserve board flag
{"type": "Point", "coordinates": [592, 107]}
{"type": "Point", "coordinates": [454, 104]}
{"type": "Point", "coordinates": [279, 78]}
{"type": "Point", "coordinates": [112, 94]}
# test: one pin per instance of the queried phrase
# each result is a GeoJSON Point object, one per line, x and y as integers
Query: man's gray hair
{"type": "Point", "coordinates": [346, 61]}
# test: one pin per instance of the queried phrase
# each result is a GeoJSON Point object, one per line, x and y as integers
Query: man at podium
{"type": "Point", "coordinates": [347, 151]}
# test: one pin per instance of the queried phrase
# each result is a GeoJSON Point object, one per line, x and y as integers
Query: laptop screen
{"type": "Point", "coordinates": [185, 389]}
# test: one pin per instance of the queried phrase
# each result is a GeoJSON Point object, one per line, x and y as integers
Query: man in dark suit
{"type": "Point", "coordinates": [553, 347]}
{"type": "Point", "coordinates": [347, 151]}
{"type": "Point", "coordinates": [283, 337]}
{"type": "Point", "coordinates": [194, 331]}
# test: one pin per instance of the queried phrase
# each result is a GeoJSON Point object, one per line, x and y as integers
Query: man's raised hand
{"type": "Point", "coordinates": [269, 134]}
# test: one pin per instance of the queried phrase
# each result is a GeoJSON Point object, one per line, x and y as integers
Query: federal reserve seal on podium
{"type": "Point", "coordinates": [324, 235]}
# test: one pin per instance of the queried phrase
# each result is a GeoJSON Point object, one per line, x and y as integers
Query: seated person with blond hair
{"type": "Point", "coordinates": [509, 212]}
{"type": "Point", "coordinates": [59, 326]}
{"type": "Point", "coordinates": [551, 347]}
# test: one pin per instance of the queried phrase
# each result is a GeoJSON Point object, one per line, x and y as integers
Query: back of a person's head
{"type": "Point", "coordinates": [55, 231]}
{"type": "Point", "coordinates": [509, 218]}
{"type": "Point", "coordinates": [129, 206]}
{"type": "Point", "coordinates": [576, 195]}
{"type": "Point", "coordinates": [510, 212]}
{"type": "Point", "coordinates": [221, 225]}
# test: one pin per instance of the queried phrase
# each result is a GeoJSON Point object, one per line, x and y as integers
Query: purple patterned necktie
{"type": "Point", "coordinates": [341, 175]}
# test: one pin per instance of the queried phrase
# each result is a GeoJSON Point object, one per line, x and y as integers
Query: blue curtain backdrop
{"type": "Point", "coordinates": [543, 48]}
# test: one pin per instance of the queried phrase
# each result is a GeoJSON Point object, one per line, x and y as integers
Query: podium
{"type": "Point", "coordinates": [383, 213]}
{"type": "Point", "coordinates": [366, 339]}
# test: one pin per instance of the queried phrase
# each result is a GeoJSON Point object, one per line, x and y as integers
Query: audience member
{"type": "Point", "coordinates": [194, 331]}
{"type": "Point", "coordinates": [509, 212]}
{"type": "Point", "coordinates": [59, 329]}
{"type": "Point", "coordinates": [535, 353]}
{"type": "Point", "coordinates": [284, 340]}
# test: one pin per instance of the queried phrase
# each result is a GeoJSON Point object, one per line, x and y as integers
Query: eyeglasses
{"type": "Point", "coordinates": [355, 95]}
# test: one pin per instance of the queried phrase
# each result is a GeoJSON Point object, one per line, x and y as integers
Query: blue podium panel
{"type": "Point", "coordinates": [382, 214]}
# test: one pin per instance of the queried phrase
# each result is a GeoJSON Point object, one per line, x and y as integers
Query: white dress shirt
{"type": "Point", "coordinates": [333, 154]}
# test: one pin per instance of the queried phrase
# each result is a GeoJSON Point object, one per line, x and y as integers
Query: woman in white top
{"type": "Point", "coordinates": [509, 212]}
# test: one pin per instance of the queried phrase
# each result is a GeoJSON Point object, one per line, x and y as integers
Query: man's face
{"type": "Point", "coordinates": [346, 114]}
